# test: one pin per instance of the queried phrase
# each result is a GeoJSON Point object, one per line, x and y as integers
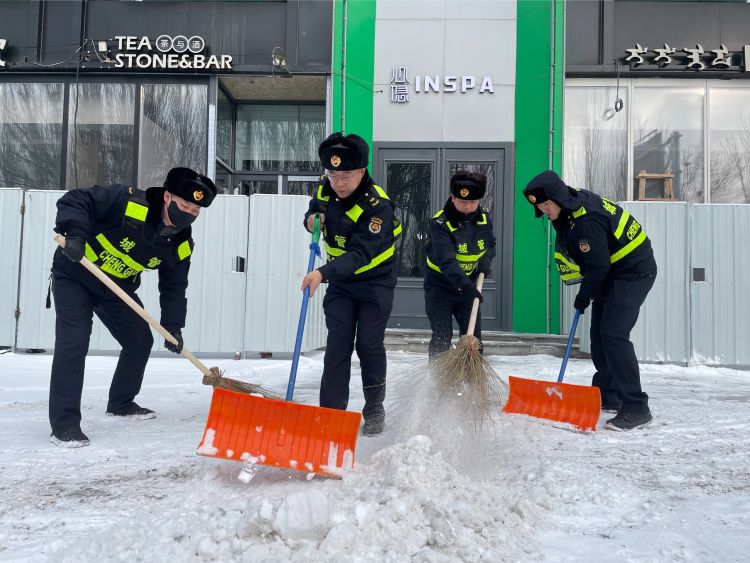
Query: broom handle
{"type": "Point", "coordinates": [475, 307]}
{"type": "Point", "coordinates": [104, 278]}
{"type": "Point", "coordinates": [569, 346]}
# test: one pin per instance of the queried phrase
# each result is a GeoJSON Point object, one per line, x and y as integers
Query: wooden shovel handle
{"type": "Point", "coordinates": [104, 278]}
{"type": "Point", "coordinates": [475, 307]}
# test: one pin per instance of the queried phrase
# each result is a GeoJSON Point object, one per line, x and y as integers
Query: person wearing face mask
{"type": "Point", "coordinates": [360, 241]}
{"type": "Point", "coordinates": [460, 246]}
{"type": "Point", "coordinates": [123, 231]}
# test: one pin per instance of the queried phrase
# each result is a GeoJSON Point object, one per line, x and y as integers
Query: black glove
{"type": "Point", "coordinates": [581, 303]}
{"type": "Point", "coordinates": [474, 292]}
{"type": "Point", "coordinates": [176, 348]}
{"type": "Point", "coordinates": [484, 268]}
{"type": "Point", "coordinates": [74, 249]}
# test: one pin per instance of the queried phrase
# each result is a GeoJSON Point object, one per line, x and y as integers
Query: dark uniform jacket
{"type": "Point", "coordinates": [458, 247]}
{"type": "Point", "coordinates": [360, 233]}
{"type": "Point", "coordinates": [597, 241]}
{"type": "Point", "coordinates": [121, 226]}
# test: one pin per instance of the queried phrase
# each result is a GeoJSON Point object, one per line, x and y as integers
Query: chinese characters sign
{"type": "Point", "coordinates": [401, 85]}
{"type": "Point", "coordinates": [696, 58]}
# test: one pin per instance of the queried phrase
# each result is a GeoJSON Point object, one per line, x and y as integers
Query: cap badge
{"type": "Point", "coordinates": [197, 195]}
{"type": "Point", "coordinates": [335, 161]}
{"type": "Point", "coordinates": [532, 198]}
{"type": "Point", "coordinates": [464, 192]}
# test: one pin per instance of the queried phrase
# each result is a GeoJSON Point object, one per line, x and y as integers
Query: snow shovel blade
{"type": "Point", "coordinates": [280, 433]}
{"type": "Point", "coordinates": [579, 405]}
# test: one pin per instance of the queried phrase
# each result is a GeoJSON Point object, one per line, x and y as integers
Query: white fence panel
{"type": "Point", "coordinates": [278, 253]}
{"type": "Point", "coordinates": [721, 304]}
{"type": "Point", "coordinates": [11, 200]}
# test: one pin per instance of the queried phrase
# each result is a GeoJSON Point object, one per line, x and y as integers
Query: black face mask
{"type": "Point", "coordinates": [180, 219]}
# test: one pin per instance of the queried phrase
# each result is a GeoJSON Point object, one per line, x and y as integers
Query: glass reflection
{"type": "Point", "coordinates": [282, 138]}
{"type": "Point", "coordinates": [31, 118]}
{"type": "Point", "coordinates": [100, 135]}
{"type": "Point", "coordinates": [409, 185]}
{"type": "Point", "coordinates": [224, 128]}
{"type": "Point", "coordinates": [729, 140]}
{"type": "Point", "coordinates": [173, 132]}
{"type": "Point", "coordinates": [668, 138]}
{"type": "Point", "coordinates": [596, 140]}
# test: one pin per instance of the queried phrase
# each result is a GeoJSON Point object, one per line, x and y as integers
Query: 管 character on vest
{"type": "Point", "coordinates": [604, 248]}
{"type": "Point", "coordinates": [359, 238]}
{"type": "Point", "coordinates": [461, 245]}
{"type": "Point", "coordinates": [124, 232]}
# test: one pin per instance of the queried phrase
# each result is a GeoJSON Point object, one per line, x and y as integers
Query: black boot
{"type": "Point", "coordinates": [133, 410]}
{"type": "Point", "coordinates": [70, 438]}
{"type": "Point", "coordinates": [626, 420]}
{"type": "Point", "coordinates": [374, 416]}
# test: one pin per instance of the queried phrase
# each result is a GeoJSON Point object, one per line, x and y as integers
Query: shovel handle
{"type": "Point", "coordinates": [569, 346]}
{"type": "Point", "coordinates": [475, 307]}
{"type": "Point", "coordinates": [117, 290]}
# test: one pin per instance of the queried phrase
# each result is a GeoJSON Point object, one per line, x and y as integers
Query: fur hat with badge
{"type": "Point", "coordinates": [344, 152]}
{"type": "Point", "coordinates": [468, 185]}
{"type": "Point", "coordinates": [190, 186]}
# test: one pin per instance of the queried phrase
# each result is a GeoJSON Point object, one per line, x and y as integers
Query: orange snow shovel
{"type": "Point", "coordinates": [579, 405]}
{"type": "Point", "coordinates": [284, 434]}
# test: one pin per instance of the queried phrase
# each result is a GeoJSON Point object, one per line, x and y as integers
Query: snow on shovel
{"type": "Point", "coordinates": [258, 430]}
{"type": "Point", "coordinates": [579, 405]}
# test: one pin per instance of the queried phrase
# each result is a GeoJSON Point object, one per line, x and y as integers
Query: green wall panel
{"type": "Point", "coordinates": [538, 146]}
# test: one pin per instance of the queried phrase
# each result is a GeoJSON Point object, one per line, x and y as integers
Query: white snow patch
{"type": "Point", "coordinates": [207, 447]}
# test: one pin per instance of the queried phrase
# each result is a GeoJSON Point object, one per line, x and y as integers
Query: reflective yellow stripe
{"type": "Point", "coordinates": [183, 251]}
{"type": "Point", "coordinates": [483, 220]}
{"type": "Point", "coordinates": [438, 214]}
{"type": "Point", "coordinates": [136, 211]}
{"type": "Point", "coordinates": [470, 257]}
{"type": "Point", "coordinates": [570, 276]}
{"type": "Point", "coordinates": [451, 227]}
{"type": "Point", "coordinates": [397, 230]}
{"type": "Point", "coordinates": [559, 256]}
{"type": "Point", "coordinates": [379, 259]}
{"type": "Point", "coordinates": [578, 212]}
{"type": "Point", "coordinates": [380, 191]}
{"type": "Point", "coordinates": [90, 254]}
{"type": "Point", "coordinates": [106, 245]}
{"type": "Point", "coordinates": [621, 224]}
{"type": "Point", "coordinates": [433, 266]}
{"type": "Point", "coordinates": [332, 250]}
{"type": "Point", "coordinates": [628, 248]}
{"type": "Point", "coordinates": [354, 213]}
{"type": "Point", "coordinates": [320, 195]}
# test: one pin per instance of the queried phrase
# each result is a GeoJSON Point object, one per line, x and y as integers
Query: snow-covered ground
{"type": "Point", "coordinates": [429, 489]}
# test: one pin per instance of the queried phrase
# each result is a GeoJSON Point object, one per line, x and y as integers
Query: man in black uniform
{"type": "Point", "coordinates": [123, 231]}
{"type": "Point", "coordinates": [359, 239]}
{"type": "Point", "coordinates": [461, 245]}
{"type": "Point", "coordinates": [603, 247]}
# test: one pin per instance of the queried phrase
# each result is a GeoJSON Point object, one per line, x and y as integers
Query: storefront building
{"type": "Point", "coordinates": [95, 92]}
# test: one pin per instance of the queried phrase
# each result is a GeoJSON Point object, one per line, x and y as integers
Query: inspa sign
{"type": "Point", "coordinates": [178, 52]}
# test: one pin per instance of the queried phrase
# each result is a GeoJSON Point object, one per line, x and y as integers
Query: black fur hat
{"type": "Point", "coordinates": [190, 186]}
{"type": "Point", "coordinates": [344, 152]}
{"type": "Point", "coordinates": [468, 185]}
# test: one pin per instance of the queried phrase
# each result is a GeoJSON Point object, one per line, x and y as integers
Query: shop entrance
{"type": "Point", "coordinates": [417, 177]}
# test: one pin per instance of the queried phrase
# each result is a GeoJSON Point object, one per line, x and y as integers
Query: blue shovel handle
{"type": "Point", "coordinates": [314, 251]}
{"type": "Point", "coordinates": [569, 346]}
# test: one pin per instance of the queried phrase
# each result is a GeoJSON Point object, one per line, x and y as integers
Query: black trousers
{"type": "Point", "coordinates": [612, 318]}
{"type": "Point", "coordinates": [75, 304]}
{"type": "Point", "coordinates": [357, 311]}
{"type": "Point", "coordinates": [442, 307]}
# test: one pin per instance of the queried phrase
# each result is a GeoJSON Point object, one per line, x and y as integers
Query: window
{"type": "Point", "coordinates": [683, 140]}
{"type": "Point", "coordinates": [100, 134]}
{"type": "Point", "coordinates": [31, 132]}
{"type": "Point", "coordinates": [596, 141]}
{"type": "Point", "coordinates": [224, 129]}
{"type": "Point", "coordinates": [279, 138]}
{"type": "Point", "coordinates": [174, 130]}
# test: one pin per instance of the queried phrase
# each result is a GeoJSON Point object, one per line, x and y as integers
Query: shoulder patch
{"type": "Point", "coordinates": [376, 224]}
{"type": "Point", "coordinates": [584, 245]}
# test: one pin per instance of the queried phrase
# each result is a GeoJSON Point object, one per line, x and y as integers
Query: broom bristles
{"type": "Point", "coordinates": [464, 374]}
{"type": "Point", "coordinates": [217, 379]}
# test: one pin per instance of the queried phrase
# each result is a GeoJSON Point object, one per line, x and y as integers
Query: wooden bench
{"type": "Point", "coordinates": [667, 192]}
